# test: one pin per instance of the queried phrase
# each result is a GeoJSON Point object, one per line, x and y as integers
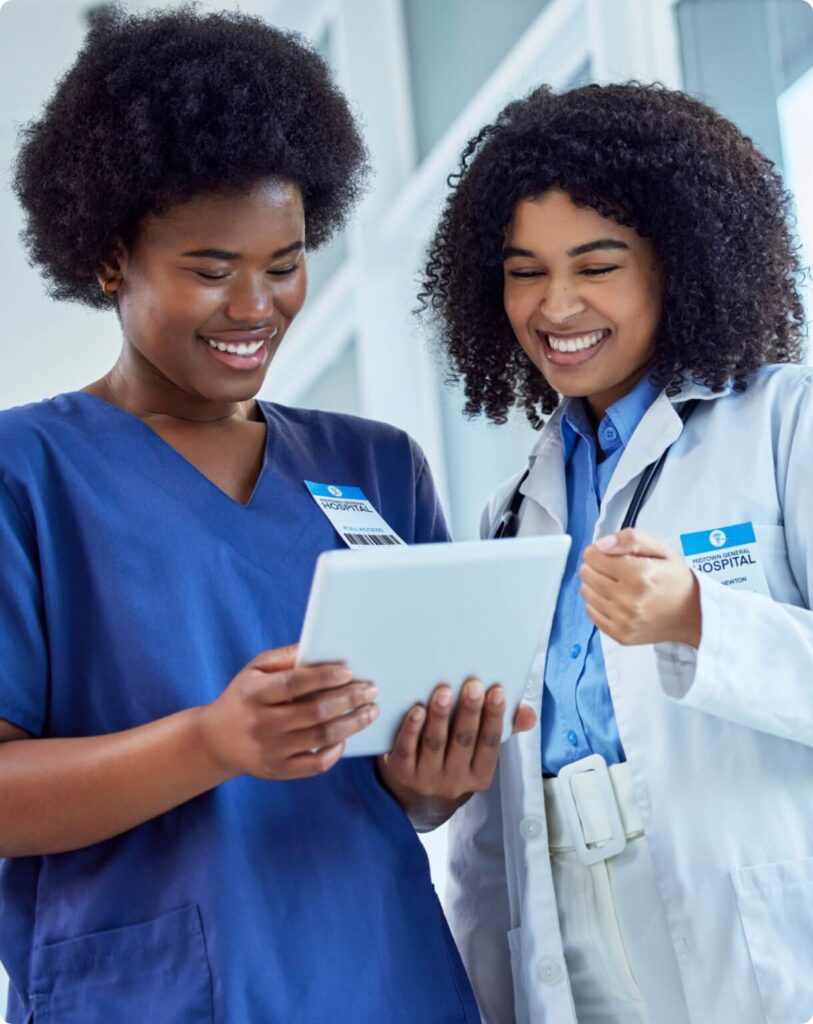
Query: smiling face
{"type": "Point", "coordinates": [207, 292]}
{"type": "Point", "coordinates": [583, 296]}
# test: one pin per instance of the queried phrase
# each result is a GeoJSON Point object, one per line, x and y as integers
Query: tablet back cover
{"type": "Point", "coordinates": [412, 617]}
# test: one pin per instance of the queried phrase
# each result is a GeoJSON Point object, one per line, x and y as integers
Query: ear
{"type": "Point", "coordinates": [111, 273]}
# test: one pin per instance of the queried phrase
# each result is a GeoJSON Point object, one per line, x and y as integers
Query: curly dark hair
{"type": "Point", "coordinates": [649, 158]}
{"type": "Point", "coordinates": [162, 107]}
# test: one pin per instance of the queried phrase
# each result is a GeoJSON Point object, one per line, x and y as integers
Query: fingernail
{"type": "Point", "coordinates": [607, 543]}
{"type": "Point", "coordinates": [443, 698]}
{"type": "Point", "coordinates": [375, 711]}
{"type": "Point", "coordinates": [416, 714]}
{"type": "Point", "coordinates": [341, 675]}
{"type": "Point", "coordinates": [474, 690]}
{"type": "Point", "coordinates": [370, 692]}
{"type": "Point", "coordinates": [497, 697]}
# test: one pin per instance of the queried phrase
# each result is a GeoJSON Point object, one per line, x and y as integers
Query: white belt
{"type": "Point", "coordinates": [591, 809]}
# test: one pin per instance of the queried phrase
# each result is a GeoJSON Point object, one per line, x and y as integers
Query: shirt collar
{"type": "Point", "coordinates": [551, 432]}
{"type": "Point", "coordinates": [618, 423]}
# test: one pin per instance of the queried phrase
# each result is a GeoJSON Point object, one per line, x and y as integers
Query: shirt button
{"type": "Point", "coordinates": [575, 650]}
{"type": "Point", "coordinates": [610, 433]}
{"type": "Point", "coordinates": [530, 828]}
{"type": "Point", "coordinates": [572, 739]}
{"type": "Point", "coordinates": [550, 972]}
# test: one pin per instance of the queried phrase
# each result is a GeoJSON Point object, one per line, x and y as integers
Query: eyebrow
{"type": "Point", "coordinates": [225, 254]}
{"type": "Point", "coordinates": [600, 243]}
{"type": "Point", "coordinates": [579, 250]}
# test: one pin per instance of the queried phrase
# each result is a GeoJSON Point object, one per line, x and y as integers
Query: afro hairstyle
{"type": "Point", "coordinates": [646, 157]}
{"type": "Point", "coordinates": [165, 106]}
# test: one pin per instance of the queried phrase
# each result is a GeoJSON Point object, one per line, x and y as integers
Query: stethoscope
{"type": "Point", "coordinates": [509, 521]}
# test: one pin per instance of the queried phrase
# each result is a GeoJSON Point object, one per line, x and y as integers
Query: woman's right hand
{"type": "Point", "coordinates": [276, 720]}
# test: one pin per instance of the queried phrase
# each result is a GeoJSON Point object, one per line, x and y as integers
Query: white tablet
{"type": "Point", "coordinates": [408, 618]}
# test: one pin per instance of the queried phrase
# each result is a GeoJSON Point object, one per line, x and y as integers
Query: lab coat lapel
{"type": "Point", "coordinates": [659, 428]}
{"type": "Point", "coordinates": [545, 484]}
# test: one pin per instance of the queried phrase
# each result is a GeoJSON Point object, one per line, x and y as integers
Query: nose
{"type": "Point", "coordinates": [250, 300]}
{"type": "Point", "coordinates": [560, 301]}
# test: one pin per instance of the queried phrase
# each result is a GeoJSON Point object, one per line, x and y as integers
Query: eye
{"type": "Point", "coordinates": [284, 271]}
{"type": "Point", "coordinates": [525, 273]}
{"type": "Point", "coordinates": [597, 271]}
{"type": "Point", "coordinates": [211, 277]}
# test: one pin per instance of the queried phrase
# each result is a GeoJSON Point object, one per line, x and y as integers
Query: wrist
{"type": "Point", "coordinates": [205, 731]}
{"type": "Point", "coordinates": [689, 630]}
{"type": "Point", "coordinates": [424, 811]}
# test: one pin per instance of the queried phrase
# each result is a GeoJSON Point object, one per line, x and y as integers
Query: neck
{"type": "Point", "coordinates": [138, 387]}
{"type": "Point", "coordinates": [598, 404]}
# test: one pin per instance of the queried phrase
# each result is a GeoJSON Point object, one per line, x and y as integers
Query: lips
{"type": "Point", "coordinates": [574, 348]}
{"type": "Point", "coordinates": [240, 350]}
{"type": "Point", "coordinates": [242, 337]}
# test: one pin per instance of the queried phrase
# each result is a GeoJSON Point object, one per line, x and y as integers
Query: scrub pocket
{"type": "Point", "coordinates": [144, 974]}
{"type": "Point", "coordinates": [776, 909]}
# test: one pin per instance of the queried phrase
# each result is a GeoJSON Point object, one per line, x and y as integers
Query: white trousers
{"type": "Point", "coordinates": [620, 959]}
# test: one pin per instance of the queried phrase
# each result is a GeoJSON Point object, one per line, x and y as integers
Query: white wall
{"type": "Point", "coordinates": [45, 347]}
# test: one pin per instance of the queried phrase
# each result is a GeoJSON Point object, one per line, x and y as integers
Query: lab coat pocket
{"type": "Point", "coordinates": [776, 910]}
{"type": "Point", "coordinates": [156, 971]}
{"type": "Point", "coordinates": [520, 999]}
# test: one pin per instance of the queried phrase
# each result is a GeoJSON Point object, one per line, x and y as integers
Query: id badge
{"type": "Point", "coordinates": [353, 516]}
{"type": "Point", "coordinates": [728, 554]}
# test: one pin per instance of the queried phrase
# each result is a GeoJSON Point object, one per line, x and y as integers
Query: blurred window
{"type": "Point", "coordinates": [753, 61]}
{"type": "Point", "coordinates": [453, 46]}
{"type": "Point", "coordinates": [336, 389]}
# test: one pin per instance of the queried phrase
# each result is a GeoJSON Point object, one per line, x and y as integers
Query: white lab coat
{"type": "Point", "coordinates": [718, 740]}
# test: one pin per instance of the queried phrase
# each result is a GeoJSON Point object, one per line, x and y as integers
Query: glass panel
{"type": "Point", "coordinates": [727, 62]}
{"type": "Point", "coordinates": [795, 122]}
{"type": "Point", "coordinates": [337, 388]}
{"type": "Point", "coordinates": [453, 46]}
{"type": "Point", "coordinates": [323, 263]}
{"type": "Point", "coordinates": [479, 456]}
{"type": "Point", "coordinates": [583, 75]}
{"type": "Point", "coordinates": [753, 60]}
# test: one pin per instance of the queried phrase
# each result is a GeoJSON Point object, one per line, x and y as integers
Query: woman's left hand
{"type": "Point", "coordinates": [439, 759]}
{"type": "Point", "coordinates": [638, 591]}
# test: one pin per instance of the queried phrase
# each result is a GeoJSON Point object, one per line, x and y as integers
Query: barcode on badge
{"type": "Point", "coordinates": [371, 538]}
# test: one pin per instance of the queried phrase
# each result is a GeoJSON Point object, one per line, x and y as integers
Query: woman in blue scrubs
{"type": "Point", "coordinates": [181, 841]}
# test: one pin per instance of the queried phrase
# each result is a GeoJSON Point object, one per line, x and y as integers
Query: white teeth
{"type": "Point", "coordinates": [242, 349]}
{"type": "Point", "coordinates": [561, 343]}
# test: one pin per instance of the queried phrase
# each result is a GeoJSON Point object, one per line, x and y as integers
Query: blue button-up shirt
{"type": "Point", "coordinates": [577, 711]}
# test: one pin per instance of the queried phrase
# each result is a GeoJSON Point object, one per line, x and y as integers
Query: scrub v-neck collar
{"type": "Point", "coordinates": [171, 454]}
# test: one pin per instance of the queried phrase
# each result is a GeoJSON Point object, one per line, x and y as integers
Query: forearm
{"type": "Point", "coordinates": [63, 794]}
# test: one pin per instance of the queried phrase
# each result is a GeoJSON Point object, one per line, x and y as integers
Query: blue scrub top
{"type": "Point", "coordinates": [131, 588]}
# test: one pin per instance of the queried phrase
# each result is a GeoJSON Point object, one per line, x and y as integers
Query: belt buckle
{"type": "Point", "coordinates": [618, 839]}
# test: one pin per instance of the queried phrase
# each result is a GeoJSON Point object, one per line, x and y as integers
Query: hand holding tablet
{"type": "Point", "coordinates": [438, 761]}
{"type": "Point", "coordinates": [408, 618]}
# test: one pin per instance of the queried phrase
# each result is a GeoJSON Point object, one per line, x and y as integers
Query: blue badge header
{"type": "Point", "coordinates": [335, 491]}
{"type": "Point", "coordinates": [719, 539]}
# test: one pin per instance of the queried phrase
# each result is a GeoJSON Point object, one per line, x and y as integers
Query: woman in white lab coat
{"type": "Point", "coordinates": [617, 261]}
